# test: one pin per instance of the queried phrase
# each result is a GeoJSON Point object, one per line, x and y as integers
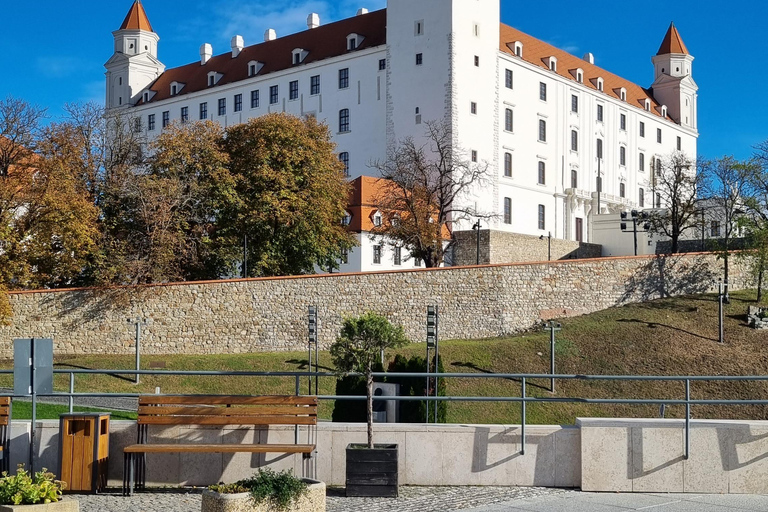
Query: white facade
{"type": "Point", "coordinates": [441, 60]}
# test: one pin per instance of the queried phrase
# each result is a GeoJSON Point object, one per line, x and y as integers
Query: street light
{"type": "Point", "coordinates": [636, 218]}
{"type": "Point", "coordinates": [477, 227]}
{"type": "Point", "coordinates": [549, 245]}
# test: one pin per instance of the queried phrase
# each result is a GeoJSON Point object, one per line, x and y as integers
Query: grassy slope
{"type": "Point", "coordinates": [665, 337]}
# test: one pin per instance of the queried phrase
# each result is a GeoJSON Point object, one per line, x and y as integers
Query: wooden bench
{"type": "Point", "coordinates": [214, 411]}
{"type": "Point", "coordinates": [5, 432]}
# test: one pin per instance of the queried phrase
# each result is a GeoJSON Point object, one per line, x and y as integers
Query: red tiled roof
{"type": "Point", "coordinates": [537, 52]}
{"type": "Point", "coordinates": [137, 19]}
{"type": "Point", "coordinates": [673, 43]}
{"type": "Point", "coordinates": [322, 43]}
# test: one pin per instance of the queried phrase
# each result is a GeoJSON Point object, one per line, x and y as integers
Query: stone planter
{"type": "Point", "coordinates": [314, 501]}
{"type": "Point", "coordinates": [60, 506]}
{"type": "Point", "coordinates": [372, 473]}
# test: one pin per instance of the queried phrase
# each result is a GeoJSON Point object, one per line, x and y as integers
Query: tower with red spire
{"type": "Point", "coordinates": [674, 85]}
{"type": "Point", "coordinates": [134, 64]}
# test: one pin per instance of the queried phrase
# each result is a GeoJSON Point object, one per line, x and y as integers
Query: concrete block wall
{"type": "Point", "coordinates": [271, 314]}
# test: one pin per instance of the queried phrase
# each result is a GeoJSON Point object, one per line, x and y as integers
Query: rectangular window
{"type": "Point", "coordinates": [473, 108]}
{"type": "Point", "coordinates": [642, 162]}
{"type": "Point", "coordinates": [382, 64]}
{"type": "Point", "coordinates": [622, 156]}
{"type": "Point", "coordinates": [508, 76]}
{"type": "Point", "coordinates": [377, 255]}
{"type": "Point", "coordinates": [398, 256]}
{"type": "Point", "coordinates": [344, 78]}
{"type": "Point", "coordinates": [419, 59]}
{"type": "Point", "coordinates": [238, 102]}
{"type": "Point", "coordinates": [166, 118]}
{"type": "Point", "coordinates": [477, 61]}
{"type": "Point", "coordinates": [542, 217]}
{"type": "Point", "coordinates": [474, 156]}
{"type": "Point", "coordinates": [274, 93]}
{"type": "Point", "coordinates": [574, 178]}
{"type": "Point", "coordinates": [509, 120]}
{"type": "Point", "coordinates": [600, 149]}
{"type": "Point", "coordinates": [658, 135]}
{"type": "Point", "coordinates": [641, 198]}
{"type": "Point", "coordinates": [600, 113]}
{"type": "Point", "coordinates": [151, 122]}
{"type": "Point", "coordinates": [574, 104]}
{"type": "Point", "coordinates": [314, 85]}
{"type": "Point", "coordinates": [345, 256]}
{"type": "Point", "coordinates": [507, 210]}
{"type": "Point", "coordinates": [622, 190]}
{"type": "Point", "coordinates": [642, 129]}
{"type": "Point", "coordinates": [542, 173]}
{"type": "Point", "coordinates": [255, 99]}
{"type": "Point", "coordinates": [344, 120]}
{"type": "Point", "coordinates": [542, 91]}
{"type": "Point", "coordinates": [623, 122]}
{"type": "Point", "coordinates": [293, 90]}
{"type": "Point", "coordinates": [574, 140]}
{"type": "Point", "coordinates": [416, 261]}
{"type": "Point", "coordinates": [508, 165]}
{"type": "Point", "coordinates": [222, 106]}
{"type": "Point", "coordinates": [542, 130]}
{"type": "Point", "coordinates": [658, 200]}
{"type": "Point", "coordinates": [344, 159]}
{"type": "Point", "coordinates": [203, 111]}
{"type": "Point", "coordinates": [184, 114]}
{"type": "Point", "coordinates": [714, 229]}
{"type": "Point", "coordinates": [679, 144]}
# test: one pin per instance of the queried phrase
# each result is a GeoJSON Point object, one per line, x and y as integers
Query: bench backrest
{"type": "Point", "coordinates": [227, 410]}
{"type": "Point", "coordinates": [5, 411]}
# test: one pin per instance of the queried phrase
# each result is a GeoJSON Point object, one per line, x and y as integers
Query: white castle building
{"type": "Point", "coordinates": [553, 128]}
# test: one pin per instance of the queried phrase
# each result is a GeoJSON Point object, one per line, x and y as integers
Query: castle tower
{"type": "Point", "coordinates": [674, 85]}
{"type": "Point", "coordinates": [134, 64]}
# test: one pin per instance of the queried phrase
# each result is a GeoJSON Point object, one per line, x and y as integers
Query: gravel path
{"type": "Point", "coordinates": [412, 499]}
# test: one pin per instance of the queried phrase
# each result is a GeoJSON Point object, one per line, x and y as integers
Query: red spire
{"type": "Point", "coordinates": [137, 18]}
{"type": "Point", "coordinates": [673, 43]}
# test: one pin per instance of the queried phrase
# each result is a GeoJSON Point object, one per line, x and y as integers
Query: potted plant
{"type": "Point", "coordinates": [371, 469]}
{"type": "Point", "coordinates": [38, 492]}
{"type": "Point", "coordinates": [266, 491]}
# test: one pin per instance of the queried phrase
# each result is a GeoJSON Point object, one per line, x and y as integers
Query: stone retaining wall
{"type": "Point", "coordinates": [499, 247]}
{"type": "Point", "coordinates": [271, 314]}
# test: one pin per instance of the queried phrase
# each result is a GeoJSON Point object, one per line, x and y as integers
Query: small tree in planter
{"type": "Point", "coordinates": [357, 349]}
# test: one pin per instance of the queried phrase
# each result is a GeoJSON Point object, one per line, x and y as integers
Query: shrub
{"type": "Point", "coordinates": [25, 489]}
{"type": "Point", "coordinates": [278, 490]}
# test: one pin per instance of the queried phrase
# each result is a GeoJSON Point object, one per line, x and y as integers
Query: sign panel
{"type": "Point", "coordinates": [32, 353]}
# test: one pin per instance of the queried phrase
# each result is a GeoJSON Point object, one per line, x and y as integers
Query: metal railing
{"type": "Point", "coordinates": [523, 399]}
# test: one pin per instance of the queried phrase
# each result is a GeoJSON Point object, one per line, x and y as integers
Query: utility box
{"type": "Point", "coordinates": [84, 451]}
{"type": "Point", "coordinates": [386, 411]}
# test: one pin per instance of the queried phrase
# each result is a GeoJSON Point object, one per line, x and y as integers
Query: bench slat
{"type": "Point", "coordinates": [266, 410]}
{"type": "Point", "coordinates": [220, 448]}
{"type": "Point", "coordinates": [227, 420]}
{"type": "Point", "coordinates": [5, 400]}
{"type": "Point", "coordinates": [227, 400]}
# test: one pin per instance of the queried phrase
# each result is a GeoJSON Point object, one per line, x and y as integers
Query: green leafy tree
{"type": "Point", "coordinates": [358, 348]}
{"type": "Point", "coordinates": [290, 195]}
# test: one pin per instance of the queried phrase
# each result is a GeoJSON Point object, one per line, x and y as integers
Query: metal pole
{"type": "Point", "coordinates": [138, 349]}
{"type": "Point", "coordinates": [552, 355]}
{"type": "Point", "coordinates": [634, 228]}
{"type": "Point", "coordinates": [317, 366]}
{"type": "Point", "coordinates": [687, 419]}
{"type": "Point", "coordinates": [703, 232]}
{"type": "Point", "coordinates": [549, 247]}
{"type": "Point", "coordinates": [426, 419]}
{"type": "Point", "coordinates": [522, 406]}
{"type": "Point", "coordinates": [599, 184]}
{"type": "Point", "coordinates": [71, 390]}
{"type": "Point", "coordinates": [720, 296]}
{"type": "Point", "coordinates": [34, 412]}
{"type": "Point", "coordinates": [478, 225]}
{"type": "Point", "coordinates": [437, 356]}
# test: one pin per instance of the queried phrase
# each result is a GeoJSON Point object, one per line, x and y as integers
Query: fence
{"type": "Point", "coordinates": [523, 399]}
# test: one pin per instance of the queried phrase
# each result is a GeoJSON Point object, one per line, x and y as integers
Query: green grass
{"type": "Point", "coordinates": [23, 411]}
{"type": "Point", "coordinates": [664, 337]}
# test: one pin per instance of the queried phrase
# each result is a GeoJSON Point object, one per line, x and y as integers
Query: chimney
{"type": "Point", "coordinates": [589, 58]}
{"type": "Point", "coordinates": [362, 11]}
{"type": "Point", "coordinates": [237, 44]}
{"type": "Point", "coordinates": [313, 21]}
{"type": "Point", "coordinates": [206, 52]}
{"type": "Point", "coordinates": [270, 35]}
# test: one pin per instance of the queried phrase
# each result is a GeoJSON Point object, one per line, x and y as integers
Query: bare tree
{"type": "Point", "coordinates": [427, 193]}
{"type": "Point", "coordinates": [676, 184]}
{"type": "Point", "coordinates": [756, 222]}
{"type": "Point", "coordinates": [727, 184]}
{"type": "Point", "coordinates": [19, 126]}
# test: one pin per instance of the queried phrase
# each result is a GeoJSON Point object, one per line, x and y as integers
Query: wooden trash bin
{"type": "Point", "coordinates": [84, 451]}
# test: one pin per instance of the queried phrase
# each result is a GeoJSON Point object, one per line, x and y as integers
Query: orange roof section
{"type": "Point", "coordinates": [673, 43]}
{"type": "Point", "coordinates": [137, 18]}
{"type": "Point", "coordinates": [537, 52]}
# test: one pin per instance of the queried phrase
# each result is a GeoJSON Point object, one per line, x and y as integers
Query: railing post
{"type": "Point", "coordinates": [522, 442]}
{"type": "Point", "coordinates": [71, 391]}
{"type": "Point", "coordinates": [687, 419]}
{"type": "Point", "coordinates": [296, 427]}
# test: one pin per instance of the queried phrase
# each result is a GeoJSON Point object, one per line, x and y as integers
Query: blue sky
{"type": "Point", "coordinates": [55, 50]}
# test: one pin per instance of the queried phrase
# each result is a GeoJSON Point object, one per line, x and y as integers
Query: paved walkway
{"type": "Point", "coordinates": [458, 499]}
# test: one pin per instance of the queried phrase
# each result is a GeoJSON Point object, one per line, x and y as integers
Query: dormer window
{"type": "Point", "coordinates": [377, 219]}
{"type": "Point", "coordinates": [552, 63]}
{"type": "Point", "coordinates": [578, 74]}
{"type": "Point", "coordinates": [254, 67]}
{"type": "Point", "coordinates": [623, 94]}
{"type": "Point", "coordinates": [519, 49]}
{"type": "Point", "coordinates": [176, 88]}
{"type": "Point", "coordinates": [663, 111]}
{"type": "Point", "coordinates": [647, 104]}
{"type": "Point", "coordinates": [354, 41]}
{"type": "Point", "coordinates": [599, 84]}
{"type": "Point", "coordinates": [347, 219]}
{"type": "Point", "coordinates": [148, 95]}
{"type": "Point", "coordinates": [213, 78]}
{"type": "Point", "coordinates": [299, 55]}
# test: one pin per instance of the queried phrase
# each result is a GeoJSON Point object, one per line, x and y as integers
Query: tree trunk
{"type": "Point", "coordinates": [760, 283]}
{"type": "Point", "coordinates": [369, 386]}
{"type": "Point", "coordinates": [675, 244]}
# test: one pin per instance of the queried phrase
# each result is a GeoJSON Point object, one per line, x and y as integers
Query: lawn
{"type": "Point", "coordinates": [23, 411]}
{"type": "Point", "coordinates": [664, 337]}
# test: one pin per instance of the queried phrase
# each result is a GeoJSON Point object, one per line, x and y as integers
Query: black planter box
{"type": "Point", "coordinates": [372, 473]}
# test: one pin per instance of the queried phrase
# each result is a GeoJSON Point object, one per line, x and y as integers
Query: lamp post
{"type": "Point", "coordinates": [636, 218]}
{"type": "Point", "coordinates": [477, 227]}
{"type": "Point", "coordinates": [549, 245]}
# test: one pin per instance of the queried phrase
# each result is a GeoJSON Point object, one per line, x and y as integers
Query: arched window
{"type": "Point", "coordinates": [344, 159]}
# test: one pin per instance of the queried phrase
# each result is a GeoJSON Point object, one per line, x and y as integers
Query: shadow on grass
{"type": "Point", "coordinates": [473, 366]}
{"type": "Point", "coordinates": [654, 325]}
{"type": "Point", "coordinates": [303, 364]}
{"type": "Point", "coordinates": [64, 366]}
